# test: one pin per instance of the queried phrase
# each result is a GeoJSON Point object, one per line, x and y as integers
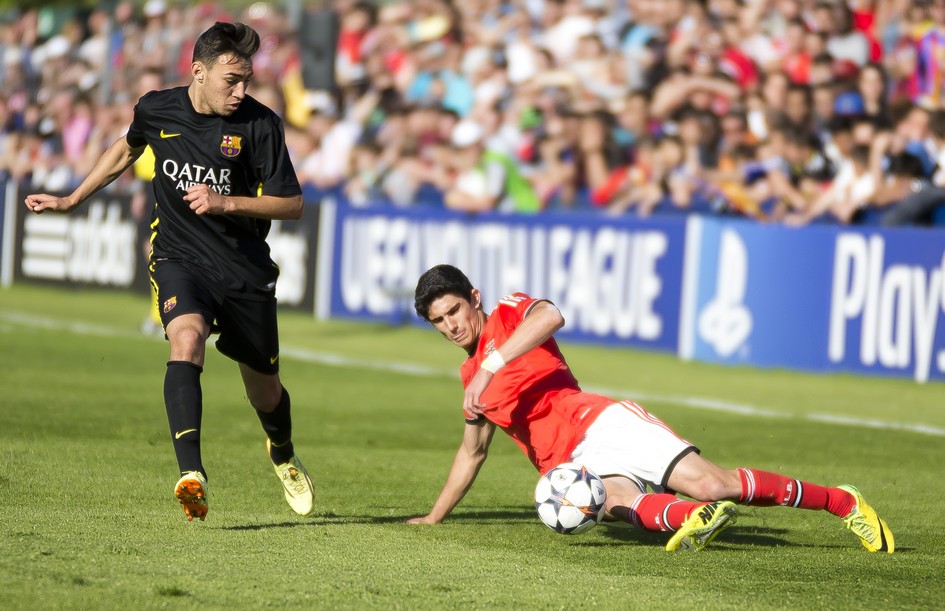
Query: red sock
{"type": "Point", "coordinates": [661, 512]}
{"type": "Point", "coordinates": [764, 489]}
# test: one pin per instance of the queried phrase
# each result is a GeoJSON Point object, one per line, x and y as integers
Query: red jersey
{"type": "Point", "coordinates": [535, 398]}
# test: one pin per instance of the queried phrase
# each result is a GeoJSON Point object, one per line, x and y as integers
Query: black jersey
{"type": "Point", "coordinates": [243, 154]}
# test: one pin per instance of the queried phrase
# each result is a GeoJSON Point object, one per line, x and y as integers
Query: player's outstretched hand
{"type": "Point", "coordinates": [41, 202]}
{"type": "Point", "coordinates": [422, 520]}
{"type": "Point", "coordinates": [204, 200]}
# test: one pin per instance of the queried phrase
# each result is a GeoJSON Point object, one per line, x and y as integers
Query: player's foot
{"type": "Point", "coordinates": [191, 491]}
{"type": "Point", "coordinates": [703, 526]}
{"type": "Point", "coordinates": [873, 532]}
{"type": "Point", "coordinates": [299, 490]}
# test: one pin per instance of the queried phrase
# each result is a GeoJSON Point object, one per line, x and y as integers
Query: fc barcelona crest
{"type": "Point", "coordinates": [230, 145]}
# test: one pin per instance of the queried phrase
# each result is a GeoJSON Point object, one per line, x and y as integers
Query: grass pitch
{"type": "Point", "coordinates": [87, 517]}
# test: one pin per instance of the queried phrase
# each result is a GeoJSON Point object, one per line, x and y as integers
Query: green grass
{"type": "Point", "coordinates": [87, 519]}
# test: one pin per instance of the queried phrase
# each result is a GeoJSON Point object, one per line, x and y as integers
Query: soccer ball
{"type": "Point", "coordinates": [570, 499]}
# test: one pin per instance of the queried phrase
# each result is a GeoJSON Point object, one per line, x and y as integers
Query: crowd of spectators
{"type": "Point", "coordinates": [794, 111]}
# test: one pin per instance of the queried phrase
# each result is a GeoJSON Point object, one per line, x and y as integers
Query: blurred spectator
{"type": "Point", "coordinates": [485, 178]}
{"type": "Point", "coordinates": [803, 170]}
{"type": "Point", "coordinates": [364, 182]}
{"type": "Point", "coordinates": [872, 87]}
{"type": "Point", "coordinates": [636, 184]}
{"type": "Point", "coordinates": [334, 131]}
{"type": "Point", "coordinates": [910, 198]}
{"type": "Point", "coordinates": [844, 42]}
{"type": "Point", "coordinates": [356, 24]}
{"type": "Point", "coordinates": [851, 189]}
{"type": "Point", "coordinates": [931, 54]}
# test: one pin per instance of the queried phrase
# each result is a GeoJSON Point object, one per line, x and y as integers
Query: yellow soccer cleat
{"type": "Point", "coordinates": [703, 526]}
{"type": "Point", "coordinates": [191, 492]}
{"type": "Point", "coordinates": [873, 532]}
{"type": "Point", "coordinates": [299, 490]}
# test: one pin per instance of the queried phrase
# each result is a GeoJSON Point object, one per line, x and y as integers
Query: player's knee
{"type": "Point", "coordinates": [712, 487]}
{"type": "Point", "coordinates": [621, 492]}
{"type": "Point", "coordinates": [188, 345]}
{"type": "Point", "coordinates": [617, 501]}
{"type": "Point", "coordinates": [187, 340]}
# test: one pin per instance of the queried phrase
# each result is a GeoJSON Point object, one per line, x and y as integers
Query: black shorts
{"type": "Point", "coordinates": [247, 325]}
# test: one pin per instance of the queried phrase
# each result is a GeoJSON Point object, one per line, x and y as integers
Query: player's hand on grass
{"type": "Point", "coordinates": [41, 202]}
{"type": "Point", "coordinates": [471, 398]}
{"type": "Point", "coordinates": [422, 520]}
{"type": "Point", "coordinates": [204, 200]}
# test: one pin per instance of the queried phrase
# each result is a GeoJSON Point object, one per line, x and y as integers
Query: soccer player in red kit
{"type": "Point", "coordinates": [516, 378]}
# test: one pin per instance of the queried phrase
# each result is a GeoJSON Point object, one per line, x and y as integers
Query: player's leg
{"type": "Point", "coordinates": [701, 479]}
{"type": "Point", "coordinates": [183, 400]}
{"type": "Point", "coordinates": [627, 501]}
{"type": "Point", "coordinates": [628, 447]}
{"type": "Point", "coordinates": [184, 313]}
{"type": "Point", "coordinates": [249, 334]}
{"type": "Point", "coordinates": [697, 477]}
{"type": "Point", "coordinates": [694, 524]}
{"type": "Point", "coordinates": [272, 404]}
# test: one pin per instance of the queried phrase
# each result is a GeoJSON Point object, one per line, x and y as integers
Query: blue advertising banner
{"type": "Point", "coordinates": [822, 298]}
{"type": "Point", "coordinates": [615, 281]}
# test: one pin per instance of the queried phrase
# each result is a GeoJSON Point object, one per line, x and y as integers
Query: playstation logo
{"type": "Point", "coordinates": [725, 323]}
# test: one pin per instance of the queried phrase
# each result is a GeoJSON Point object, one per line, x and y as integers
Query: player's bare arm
{"type": "Point", "coordinates": [471, 455]}
{"type": "Point", "coordinates": [116, 159]}
{"type": "Point", "coordinates": [204, 200]}
{"type": "Point", "coordinates": [542, 322]}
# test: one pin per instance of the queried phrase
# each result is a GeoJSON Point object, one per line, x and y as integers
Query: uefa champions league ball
{"type": "Point", "coordinates": [570, 499]}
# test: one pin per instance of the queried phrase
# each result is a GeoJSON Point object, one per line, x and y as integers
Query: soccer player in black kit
{"type": "Point", "coordinates": [222, 174]}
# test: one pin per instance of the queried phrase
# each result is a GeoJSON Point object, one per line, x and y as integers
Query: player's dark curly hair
{"type": "Point", "coordinates": [226, 39]}
{"type": "Point", "coordinates": [438, 281]}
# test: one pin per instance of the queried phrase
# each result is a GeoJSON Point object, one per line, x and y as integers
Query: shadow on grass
{"type": "Point", "coordinates": [320, 520]}
{"type": "Point", "coordinates": [509, 514]}
{"type": "Point", "coordinates": [329, 519]}
{"type": "Point", "coordinates": [736, 537]}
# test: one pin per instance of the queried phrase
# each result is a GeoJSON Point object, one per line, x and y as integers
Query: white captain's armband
{"type": "Point", "coordinates": [493, 363]}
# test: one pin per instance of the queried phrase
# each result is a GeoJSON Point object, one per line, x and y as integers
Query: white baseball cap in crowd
{"type": "Point", "coordinates": [466, 133]}
{"type": "Point", "coordinates": [57, 46]}
{"type": "Point", "coordinates": [153, 8]}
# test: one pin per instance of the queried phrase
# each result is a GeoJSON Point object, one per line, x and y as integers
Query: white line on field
{"type": "Point", "coordinates": [414, 369]}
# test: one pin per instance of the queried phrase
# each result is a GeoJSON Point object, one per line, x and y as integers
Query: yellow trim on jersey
{"type": "Point", "coordinates": [144, 165]}
{"type": "Point", "coordinates": [154, 312]}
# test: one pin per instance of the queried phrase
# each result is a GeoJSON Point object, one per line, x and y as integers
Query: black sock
{"type": "Point", "coordinates": [183, 400]}
{"type": "Point", "coordinates": [278, 427]}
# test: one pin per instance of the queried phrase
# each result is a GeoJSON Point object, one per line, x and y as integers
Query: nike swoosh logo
{"type": "Point", "coordinates": [182, 433]}
{"type": "Point", "coordinates": [166, 135]}
{"type": "Point", "coordinates": [273, 360]}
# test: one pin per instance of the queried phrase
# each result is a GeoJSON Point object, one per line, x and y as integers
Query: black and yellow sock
{"type": "Point", "coordinates": [183, 400]}
{"type": "Point", "coordinates": [278, 427]}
